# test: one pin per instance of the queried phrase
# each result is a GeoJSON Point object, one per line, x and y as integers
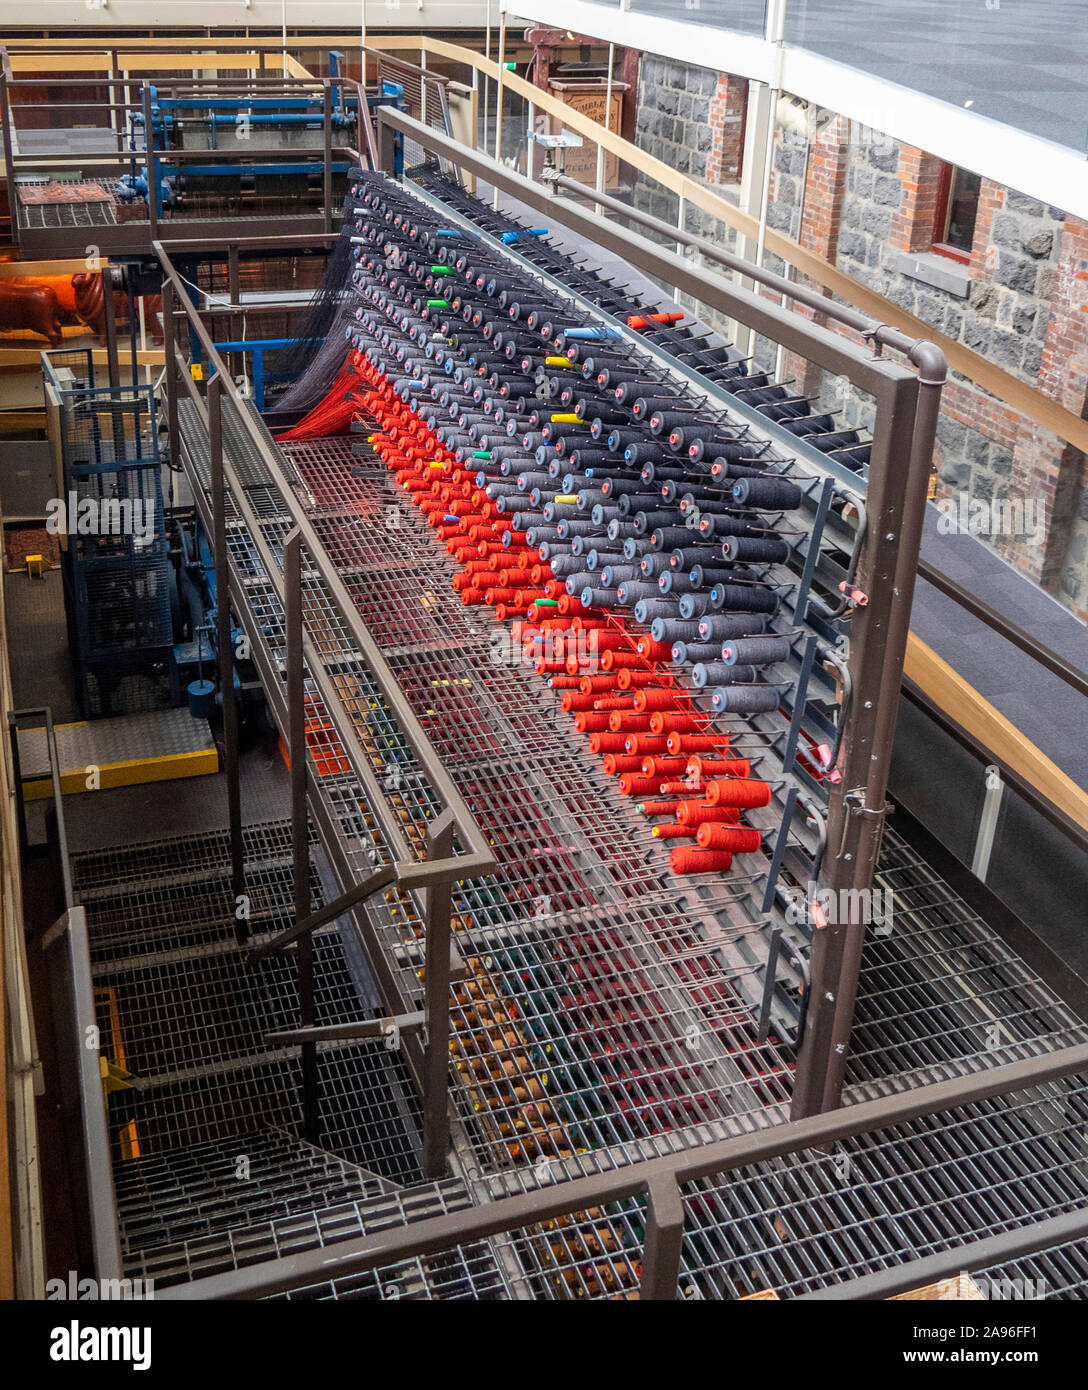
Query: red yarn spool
{"type": "Point", "coordinates": [738, 839]}
{"type": "Point", "coordinates": [616, 660]}
{"type": "Point", "coordinates": [699, 861]}
{"type": "Point", "coordinates": [735, 791]}
{"type": "Point", "coordinates": [659, 699]}
{"type": "Point", "coordinates": [628, 678]}
{"type": "Point", "coordinates": [672, 832]}
{"type": "Point", "coordinates": [673, 721]}
{"type": "Point", "coordinates": [630, 785]}
{"type": "Point", "coordinates": [658, 806]}
{"type": "Point", "coordinates": [615, 763]}
{"type": "Point", "coordinates": [697, 812]}
{"type": "Point", "coordinates": [654, 651]}
{"type": "Point", "coordinates": [696, 743]}
{"type": "Point", "coordinates": [706, 768]}
{"type": "Point", "coordinates": [645, 744]}
{"type": "Point", "coordinates": [627, 721]}
{"type": "Point", "coordinates": [607, 743]}
{"type": "Point", "coordinates": [657, 766]}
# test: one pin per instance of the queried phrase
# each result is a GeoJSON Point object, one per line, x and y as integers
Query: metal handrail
{"type": "Point", "coordinates": [70, 974]}
{"type": "Point", "coordinates": [478, 857]}
{"type": "Point", "coordinates": [73, 1001]}
{"type": "Point", "coordinates": [46, 712]}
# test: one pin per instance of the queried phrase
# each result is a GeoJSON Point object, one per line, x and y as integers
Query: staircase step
{"type": "Point", "coordinates": [232, 1246]}
{"type": "Point", "coordinates": [198, 1193]}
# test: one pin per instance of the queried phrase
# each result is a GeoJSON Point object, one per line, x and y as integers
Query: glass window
{"type": "Point", "coordinates": [957, 208]}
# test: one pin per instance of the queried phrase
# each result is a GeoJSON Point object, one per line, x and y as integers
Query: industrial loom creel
{"type": "Point", "coordinates": [614, 604]}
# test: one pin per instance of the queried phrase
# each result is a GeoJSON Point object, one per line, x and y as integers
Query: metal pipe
{"type": "Point", "coordinates": [775, 33]}
{"type": "Point", "coordinates": [498, 97]}
{"type": "Point", "coordinates": [326, 168]}
{"type": "Point", "coordinates": [600, 147]}
{"type": "Point", "coordinates": [800, 294]}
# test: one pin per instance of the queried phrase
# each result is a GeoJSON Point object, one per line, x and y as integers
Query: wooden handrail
{"type": "Point", "coordinates": [963, 704]}
{"type": "Point", "coordinates": [137, 61]}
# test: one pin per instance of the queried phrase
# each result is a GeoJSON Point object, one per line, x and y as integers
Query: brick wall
{"type": "Point", "coordinates": [1000, 310]}
{"type": "Point", "coordinates": [726, 115]}
{"type": "Point", "coordinates": [673, 117]}
{"type": "Point", "coordinates": [919, 176]}
{"type": "Point", "coordinates": [693, 120]}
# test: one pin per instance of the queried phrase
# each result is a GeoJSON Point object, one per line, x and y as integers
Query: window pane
{"type": "Point", "coordinates": [962, 209]}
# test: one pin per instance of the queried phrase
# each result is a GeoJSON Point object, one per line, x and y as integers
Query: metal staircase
{"type": "Point", "coordinates": [217, 1206]}
{"type": "Point", "coordinates": [208, 1173]}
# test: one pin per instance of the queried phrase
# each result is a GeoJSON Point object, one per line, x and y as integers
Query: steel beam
{"type": "Point", "coordinates": [306, 926]}
{"type": "Point", "coordinates": [347, 1032]}
{"type": "Point", "coordinates": [664, 1240]}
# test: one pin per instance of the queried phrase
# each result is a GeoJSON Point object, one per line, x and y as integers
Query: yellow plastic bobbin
{"type": "Point", "coordinates": [567, 497]}
{"type": "Point", "coordinates": [566, 420]}
{"type": "Point", "coordinates": [558, 362]}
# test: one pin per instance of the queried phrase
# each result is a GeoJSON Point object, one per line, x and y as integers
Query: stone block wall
{"type": "Point", "coordinates": [868, 204]}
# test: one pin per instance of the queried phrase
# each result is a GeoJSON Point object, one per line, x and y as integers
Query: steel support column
{"type": "Point", "coordinates": [436, 1072]}
{"type": "Point", "coordinates": [896, 500]}
{"type": "Point", "coordinates": [300, 835]}
{"type": "Point", "coordinates": [225, 645]}
{"type": "Point", "coordinates": [664, 1240]}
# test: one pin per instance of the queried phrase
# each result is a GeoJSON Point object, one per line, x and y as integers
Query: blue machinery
{"type": "Point", "coordinates": [135, 618]}
{"type": "Point", "coordinates": [225, 119]}
{"type": "Point", "coordinates": [120, 595]}
{"type": "Point", "coordinates": [256, 348]}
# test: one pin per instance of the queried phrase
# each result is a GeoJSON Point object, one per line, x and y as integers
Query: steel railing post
{"type": "Point", "coordinates": [664, 1240]}
{"type": "Point", "coordinates": [438, 928]}
{"type": "Point", "coordinates": [225, 645]}
{"type": "Point", "coordinates": [326, 168]}
{"type": "Point", "coordinates": [300, 841]}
